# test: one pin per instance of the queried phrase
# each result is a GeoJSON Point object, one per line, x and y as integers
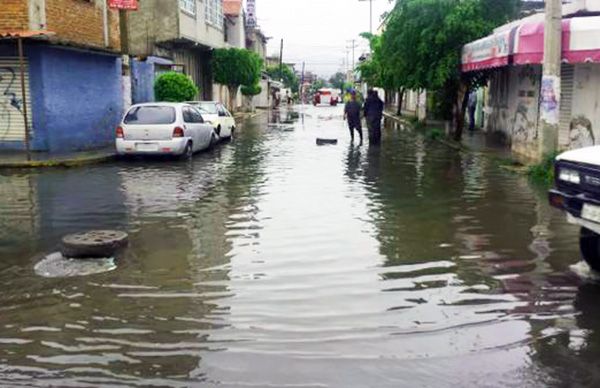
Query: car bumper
{"type": "Point", "coordinates": [151, 147]}
{"type": "Point", "coordinates": [573, 205]}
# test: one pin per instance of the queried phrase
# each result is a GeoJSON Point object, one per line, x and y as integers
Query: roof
{"type": "Point", "coordinates": [232, 7]}
{"type": "Point", "coordinates": [25, 34]}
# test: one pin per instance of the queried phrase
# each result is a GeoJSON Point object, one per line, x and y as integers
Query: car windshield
{"type": "Point", "coordinates": [141, 115]}
{"type": "Point", "coordinates": [208, 108]}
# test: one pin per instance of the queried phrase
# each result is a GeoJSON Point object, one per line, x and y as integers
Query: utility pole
{"type": "Point", "coordinates": [302, 84]}
{"type": "Point", "coordinates": [370, 15]}
{"type": "Point", "coordinates": [353, 47]}
{"type": "Point", "coordinates": [551, 83]}
{"type": "Point", "coordinates": [281, 61]}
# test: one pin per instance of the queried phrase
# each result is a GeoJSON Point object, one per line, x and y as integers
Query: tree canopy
{"type": "Point", "coordinates": [421, 45]}
{"type": "Point", "coordinates": [235, 67]}
{"type": "Point", "coordinates": [290, 80]}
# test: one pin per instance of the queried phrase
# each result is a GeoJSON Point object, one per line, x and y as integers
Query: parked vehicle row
{"type": "Point", "coordinates": [177, 129]}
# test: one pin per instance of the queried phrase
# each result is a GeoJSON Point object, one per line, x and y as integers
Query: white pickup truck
{"type": "Point", "coordinates": [577, 192]}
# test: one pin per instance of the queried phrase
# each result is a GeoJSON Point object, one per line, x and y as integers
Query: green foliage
{"type": "Point", "coordinates": [338, 80]}
{"type": "Point", "coordinates": [544, 171]}
{"type": "Point", "coordinates": [234, 67]}
{"type": "Point", "coordinates": [421, 46]}
{"type": "Point", "coordinates": [434, 133]}
{"type": "Point", "coordinates": [253, 90]}
{"type": "Point", "coordinates": [290, 80]}
{"type": "Point", "coordinates": [318, 84]}
{"type": "Point", "coordinates": [174, 87]}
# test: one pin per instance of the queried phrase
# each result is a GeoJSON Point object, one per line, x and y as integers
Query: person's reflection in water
{"type": "Point", "coordinates": [353, 162]}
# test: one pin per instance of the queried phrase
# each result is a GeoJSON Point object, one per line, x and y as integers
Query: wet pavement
{"type": "Point", "coordinates": [274, 262]}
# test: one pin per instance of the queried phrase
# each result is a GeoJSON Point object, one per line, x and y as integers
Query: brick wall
{"type": "Point", "coordinates": [14, 15]}
{"type": "Point", "coordinates": [80, 22]}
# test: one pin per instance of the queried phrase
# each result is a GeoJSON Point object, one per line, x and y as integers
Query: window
{"type": "Point", "coordinates": [143, 115]}
{"type": "Point", "coordinates": [208, 108]}
{"type": "Point", "coordinates": [214, 13]}
{"type": "Point", "coordinates": [192, 115]}
{"type": "Point", "coordinates": [188, 6]}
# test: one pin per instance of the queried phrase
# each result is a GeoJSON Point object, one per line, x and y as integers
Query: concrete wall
{"type": "Point", "coordinates": [76, 98]}
{"type": "Point", "coordinates": [196, 29]}
{"type": "Point", "coordinates": [513, 107]}
{"type": "Point", "coordinates": [236, 32]}
{"type": "Point", "coordinates": [142, 81]}
{"type": "Point", "coordinates": [584, 128]}
{"type": "Point", "coordinates": [155, 21]}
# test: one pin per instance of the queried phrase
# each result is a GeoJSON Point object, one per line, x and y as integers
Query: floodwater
{"type": "Point", "coordinates": [274, 262]}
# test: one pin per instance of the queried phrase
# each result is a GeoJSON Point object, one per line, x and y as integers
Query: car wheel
{"type": "Point", "coordinates": [589, 243]}
{"type": "Point", "coordinates": [232, 132]}
{"type": "Point", "coordinates": [218, 130]}
{"type": "Point", "coordinates": [188, 152]}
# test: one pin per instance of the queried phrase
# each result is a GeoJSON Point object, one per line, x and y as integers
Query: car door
{"type": "Point", "coordinates": [192, 127]}
{"type": "Point", "coordinates": [224, 122]}
{"type": "Point", "coordinates": [205, 130]}
{"type": "Point", "coordinates": [230, 120]}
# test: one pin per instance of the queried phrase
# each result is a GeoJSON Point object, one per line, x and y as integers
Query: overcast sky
{"type": "Point", "coordinates": [317, 31]}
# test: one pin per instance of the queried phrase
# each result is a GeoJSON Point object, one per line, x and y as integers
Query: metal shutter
{"type": "Point", "coordinates": [567, 75]}
{"type": "Point", "coordinates": [12, 122]}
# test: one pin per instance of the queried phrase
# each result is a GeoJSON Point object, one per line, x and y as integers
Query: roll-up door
{"type": "Point", "coordinates": [12, 122]}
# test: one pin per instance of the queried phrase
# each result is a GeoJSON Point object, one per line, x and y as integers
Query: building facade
{"type": "Point", "coordinates": [512, 57]}
{"type": "Point", "coordinates": [174, 35]}
{"type": "Point", "coordinates": [72, 74]}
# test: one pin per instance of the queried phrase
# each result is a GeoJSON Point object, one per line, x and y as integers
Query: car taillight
{"type": "Point", "coordinates": [178, 132]}
{"type": "Point", "coordinates": [119, 133]}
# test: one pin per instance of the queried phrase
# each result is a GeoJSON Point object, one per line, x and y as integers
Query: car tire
{"type": "Point", "coordinates": [188, 152]}
{"type": "Point", "coordinates": [232, 132]}
{"type": "Point", "coordinates": [218, 130]}
{"type": "Point", "coordinates": [589, 244]}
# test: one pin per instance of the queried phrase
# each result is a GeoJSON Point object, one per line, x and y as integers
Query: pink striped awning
{"type": "Point", "coordinates": [524, 45]}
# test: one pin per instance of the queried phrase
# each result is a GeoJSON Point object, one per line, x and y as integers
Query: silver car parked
{"type": "Point", "coordinates": [163, 129]}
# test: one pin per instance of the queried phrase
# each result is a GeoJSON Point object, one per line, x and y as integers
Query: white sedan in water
{"type": "Point", "coordinates": [163, 129]}
{"type": "Point", "coordinates": [216, 113]}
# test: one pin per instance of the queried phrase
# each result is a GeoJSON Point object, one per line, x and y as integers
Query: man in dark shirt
{"type": "Point", "coordinates": [374, 113]}
{"type": "Point", "coordinates": [352, 114]}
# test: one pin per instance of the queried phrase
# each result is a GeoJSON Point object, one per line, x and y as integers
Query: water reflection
{"type": "Point", "coordinates": [273, 262]}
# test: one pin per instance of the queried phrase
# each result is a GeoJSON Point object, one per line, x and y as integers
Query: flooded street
{"type": "Point", "coordinates": [273, 262]}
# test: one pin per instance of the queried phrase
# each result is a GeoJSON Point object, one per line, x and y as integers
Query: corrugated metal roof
{"type": "Point", "coordinates": [25, 34]}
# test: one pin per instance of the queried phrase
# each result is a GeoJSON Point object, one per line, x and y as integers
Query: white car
{"type": "Point", "coordinates": [216, 113]}
{"type": "Point", "coordinates": [577, 193]}
{"type": "Point", "coordinates": [163, 129]}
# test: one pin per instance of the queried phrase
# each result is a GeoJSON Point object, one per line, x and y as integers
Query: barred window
{"type": "Point", "coordinates": [188, 6]}
{"type": "Point", "coordinates": [214, 13]}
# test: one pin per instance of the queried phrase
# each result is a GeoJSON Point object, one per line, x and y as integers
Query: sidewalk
{"type": "Point", "coordinates": [18, 159]}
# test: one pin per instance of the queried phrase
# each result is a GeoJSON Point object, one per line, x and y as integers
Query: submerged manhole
{"type": "Point", "coordinates": [55, 265]}
{"type": "Point", "coordinates": [83, 254]}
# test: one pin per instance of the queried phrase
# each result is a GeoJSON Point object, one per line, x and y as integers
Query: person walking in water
{"type": "Point", "coordinates": [374, 113]}
{"type": "Point", "coordinates": [352, 114]}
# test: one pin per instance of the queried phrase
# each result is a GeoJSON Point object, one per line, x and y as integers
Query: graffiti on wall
{"type": "Point", "coordinates": [581, 133]}
{"type": "Point", "coordinates": [524, 119]}
{"type": "Point", "coordinates": [9, 102]}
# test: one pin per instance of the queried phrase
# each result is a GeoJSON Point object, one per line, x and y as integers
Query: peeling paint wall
{"type": "Point", "coordinates": [513, 107]}
{"type": "Point", "coordinates": [584, 128]}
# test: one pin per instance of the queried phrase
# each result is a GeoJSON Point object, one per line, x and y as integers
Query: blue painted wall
{"type": "Point", "coordinates": [76, 98]}
{"type": "Point", "coordinates": [142, 79]}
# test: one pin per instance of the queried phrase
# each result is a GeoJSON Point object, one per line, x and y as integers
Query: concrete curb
{"type": "Point", "coordinates": [75, 161]}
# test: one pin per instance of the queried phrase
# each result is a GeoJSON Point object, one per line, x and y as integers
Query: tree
{"type": "Point", "coordinates": [290, 80]}
{"type": "Point", "coordinates": [174, 87]}
{"type": "Point", "coordinates": [235, 67]}
{"type": "Point", "coordinates": [249, 92]}
{"type": "Point", "coordinates": [338, 80]}
{"type": "Point", "coordinates": [423, 40]}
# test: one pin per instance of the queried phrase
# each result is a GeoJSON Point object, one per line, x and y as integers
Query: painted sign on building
{"type": "Point", "coordinates": [491, 51]}
{"type": "Point", "coordinates": [251, 13]}
{"type": "Point", "coordinates": [123, 4]}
